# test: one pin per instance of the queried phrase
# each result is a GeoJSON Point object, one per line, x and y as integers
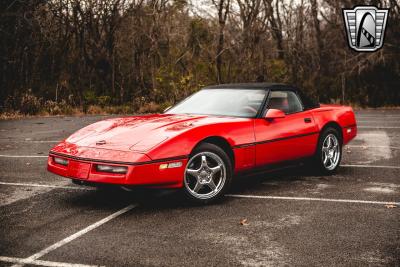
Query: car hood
{"type": "Point", "coordinates": [137, 133]}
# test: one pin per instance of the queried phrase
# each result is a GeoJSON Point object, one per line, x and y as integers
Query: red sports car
{"type": "Point", "coordinates": [202, 142]}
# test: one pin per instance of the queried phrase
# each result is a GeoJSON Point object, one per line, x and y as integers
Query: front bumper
{"type": "Point", "coordinates": [140, 174]}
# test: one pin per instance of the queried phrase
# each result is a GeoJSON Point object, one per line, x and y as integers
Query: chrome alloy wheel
{"type": "Point", "coordinates": [330, 152]}
{"type": "Point", "coordinates": [205, 175]}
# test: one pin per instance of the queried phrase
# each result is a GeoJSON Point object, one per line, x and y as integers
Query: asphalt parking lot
{"type": "Point", "coordinates": [294, 218]}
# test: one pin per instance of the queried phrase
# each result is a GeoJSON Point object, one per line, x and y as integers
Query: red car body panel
{"type": "Point", "coordinates": [143, 143]}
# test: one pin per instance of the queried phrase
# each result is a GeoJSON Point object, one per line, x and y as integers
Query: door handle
{"type": "Point", "coordinates": [307, 120]}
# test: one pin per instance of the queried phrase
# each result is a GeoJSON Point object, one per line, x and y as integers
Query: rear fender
{"type": "Point", "coordinates": [341, 116]}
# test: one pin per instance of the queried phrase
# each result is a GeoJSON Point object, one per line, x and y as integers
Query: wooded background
{"type": "Point", "coordinates": [144, 55]}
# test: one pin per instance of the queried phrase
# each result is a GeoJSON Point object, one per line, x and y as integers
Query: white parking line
{"type": "Point", "coordinates": [383, 116]}
{"type": "Point", "coordinates": [369, 134]}
{"type": "Point", "coordinates": [39, 141]}
{"type": "Point", "coordinates": [44, 263]}
{"type": "Point", "coordinates": [47, 186]}
{"type": "Point", "coordinates": [230, 195]}
{"type": "Point", "coordinates": [24, 156]}
{"type": "Point", "coordinates": [70, 238]}
{"type": "Point", "coordinates": [28, 141]}
{"type": "Point", "coordinates": [361, 146]}
{"type": "Point", "coordinates": [315, 199]}
{"type": "Point", "coordinates": [378, 127]}
{"type": "Point", "coordinates": [369, 166]}
{"type": "Point", "coordinates": [378, 121]}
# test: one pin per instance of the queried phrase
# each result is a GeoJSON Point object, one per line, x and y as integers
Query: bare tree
{"type": "Point", "coordinates": [223, 7]}
{"type": "Point", "coordinates": [139, 53]}
{"type": "Point", "coordinates": [276, 24]}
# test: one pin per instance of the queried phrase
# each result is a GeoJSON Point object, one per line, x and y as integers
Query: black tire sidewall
{"type": "Point", "coordinates": [318, 154]}
{"type": "Point", "coordinates": [207, 147]}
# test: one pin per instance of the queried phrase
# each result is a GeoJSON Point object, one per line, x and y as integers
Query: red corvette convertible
{"type": "Point", "coordinates": [202, 142]}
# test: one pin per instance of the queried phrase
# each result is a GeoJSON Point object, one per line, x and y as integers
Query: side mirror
{"type": "Point", "coordinates": [274, 114]}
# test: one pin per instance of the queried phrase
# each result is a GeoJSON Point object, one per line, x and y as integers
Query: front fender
{"type": "Point", "coordinates": [235, 133]}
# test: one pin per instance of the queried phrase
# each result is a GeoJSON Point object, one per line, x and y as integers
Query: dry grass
{"type": "Point", "coordinates": [151, 107]}
{"type": "Point", "coordinates": [11, 115]}
{"type": "Point", "coordinates": [71, 111]}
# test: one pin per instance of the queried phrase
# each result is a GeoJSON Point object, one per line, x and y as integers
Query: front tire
{"type": "Point", "coordinates": [329, 151]}
{"type": "Point", "coordinates": [208, 174]}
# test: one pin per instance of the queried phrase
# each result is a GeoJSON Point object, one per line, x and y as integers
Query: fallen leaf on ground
{"type": "Point", "coordinates": [390, 206]}
{"type": "Point", "coordinates": [244, 222]}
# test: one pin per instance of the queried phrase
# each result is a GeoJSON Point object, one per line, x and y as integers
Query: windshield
{"type": "Point", "coordinates": [222, 102]}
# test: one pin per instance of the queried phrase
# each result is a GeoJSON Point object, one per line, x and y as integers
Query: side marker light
{"type": "Point", "coordinates": [170, 165]}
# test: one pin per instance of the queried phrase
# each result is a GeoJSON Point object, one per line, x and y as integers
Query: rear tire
{"type": "Point", "coordinates": [208, 174]}
{"type": "Point", "coordinates": [329, 151]}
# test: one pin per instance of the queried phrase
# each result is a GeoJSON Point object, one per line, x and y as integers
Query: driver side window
{"type": "Point", "coordinates": [287, 101]}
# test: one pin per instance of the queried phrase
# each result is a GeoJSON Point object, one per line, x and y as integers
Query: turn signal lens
{"type": "Point", "coordinates": [163, 166]}
{"type": "Point", "coordinates": [112, 169]}
{"type": "Point", "coordinates": [61, 161]}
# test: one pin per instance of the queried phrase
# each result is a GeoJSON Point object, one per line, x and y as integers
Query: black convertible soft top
{"type": "Point", "coordinates": [308, 102]}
